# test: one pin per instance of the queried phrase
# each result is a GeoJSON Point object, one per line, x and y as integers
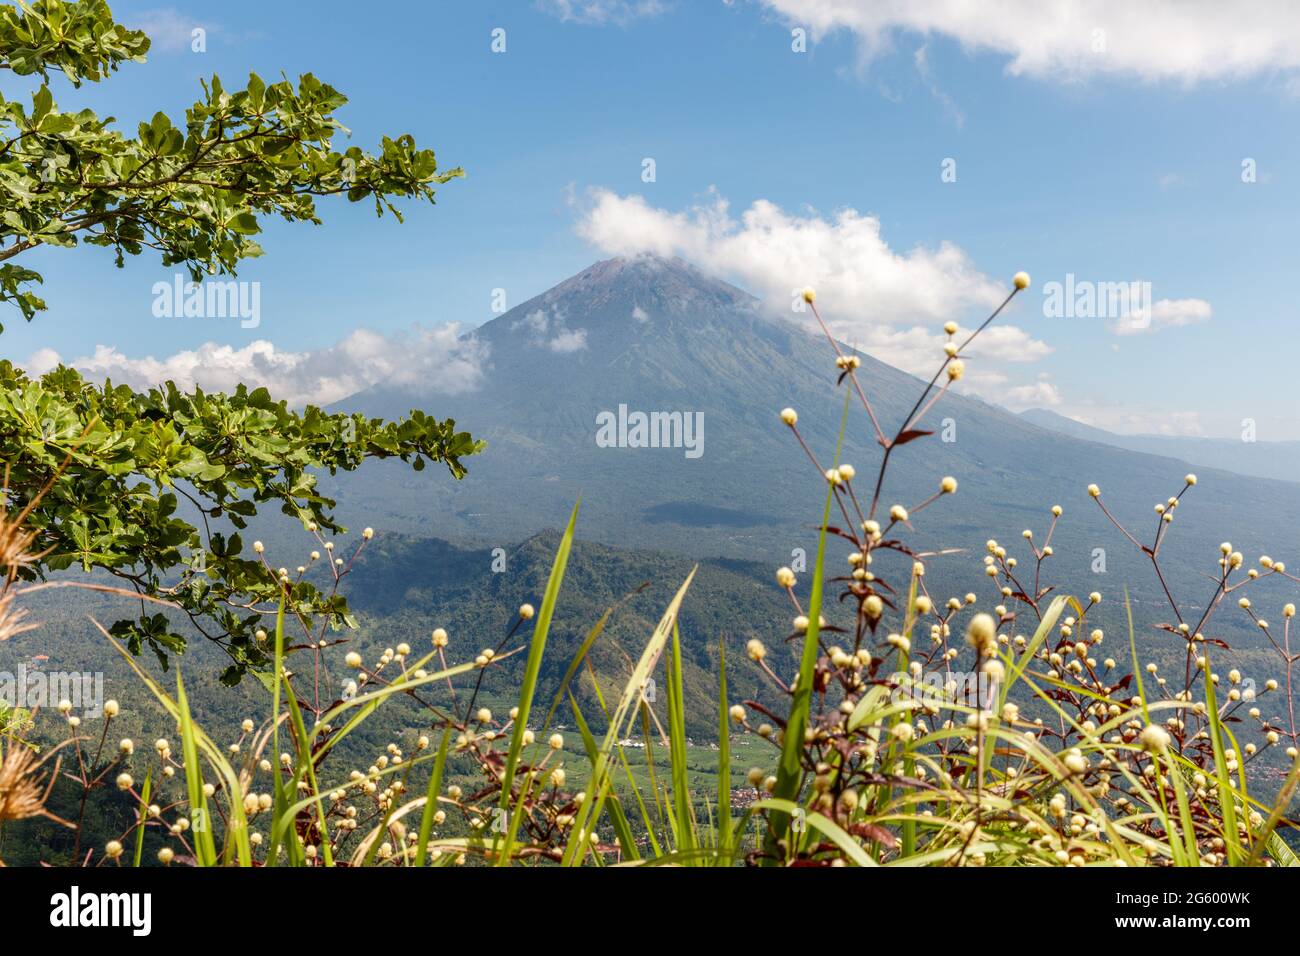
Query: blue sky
{"type": "Point", "coordinates": [1120, 168]}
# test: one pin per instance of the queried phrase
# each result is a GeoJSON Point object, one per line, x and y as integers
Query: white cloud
{"type": "Point", "coordinates": [1035, 395]}
{"type": "Point", "coordinates": [889, 304]}
{"type": "Point", "coordinates": [922, 60]}
{"type": "Point", "coordinates": [601, 12]}
{"type": "Point", "coordinates": [41, 361]}
{"type": "Point", "coordinates": [773, 253]}
{"type": "Point", "coordinates": [1165, 314]}
{"type": "Point", "coordinates": [640, 314]}
{"type": "Point", "coordinates": [1175, 313]}
{"type": "Point", "coordinates": [1006, 343]}
{"type": "Point", "coordinates": [1128, 420]}
{"type": "Point", "coordinates": [1189, 41]}
{"type": "Point", "coordinates": [168, 29]}
{"type": "Point", "coordinates": [535, 323]}
{"type": "Point", "coordinates": [996, 387]}
{"type": "Point", "coordinates": [550, 332]}
{"type": "Point", "coordinates": [886, 302]}
{"type": "Point", "coordinates": [567, 340]}
{"type": "Point", "coordinates": [919, 350]}
{"type": "Point", "coordinates": [429, 360]}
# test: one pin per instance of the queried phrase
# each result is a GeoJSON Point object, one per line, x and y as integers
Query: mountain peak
{"type": "Point", "coordinates": [639, 287]}
{"type": "Point", "coordinates": [648, 267]}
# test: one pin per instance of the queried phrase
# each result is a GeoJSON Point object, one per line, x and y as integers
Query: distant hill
{"type": "Point", "coordinates": [402, 588]}
{"type": "Point", "coordinates": [406, 587]}
{"type": "Point", "coordinates": [1262, 459]}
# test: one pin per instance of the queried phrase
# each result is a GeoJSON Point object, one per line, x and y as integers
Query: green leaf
{"type": "Point", "coordinates": [431, 801]}
{"type": "Point", "coordinates": [145, 791]}
{"type": "Point", "coordinates": [245, 223]}
{"type": "Point", "coordinates": [685, 830]}
{"type": "Point", "coordinates": [724, 752]}
{"type": "Point", "coordinates": [205, 849]}
{"type": "Point", "coordinates": [789, 775]}
{"type": "Point", "coordinates": [528, 687]}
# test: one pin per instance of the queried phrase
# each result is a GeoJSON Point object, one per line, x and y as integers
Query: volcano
{"type": "Point", "coordinates": [659, 338]}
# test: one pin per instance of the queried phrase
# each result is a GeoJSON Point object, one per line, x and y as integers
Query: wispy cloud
{"type": "Point", "coordinates": [1187, 42]}
{"type": "Point", "coordinates": [600, 12]}
{"type": "Point", "coordinates": [568, 340]}
{"type": "Point", "coordinates": [1165, 314]}
{"type": "Point", "coordinates": [1037, 394]}
{"type": "Point", "coordinates": [1125, 419]}
{"type": "Point", "coordinates": [922, 60]}
{"type": "Point", "coordinates": [549, 331]}
{"type": "Point", "coordinates": [168, 29]}
{"type": "Point", "coordinates": [995, 386]}
{"type": "Point", "coordinates": [422, 360]}
{"type": "Point", "coordinates": [919, 350]}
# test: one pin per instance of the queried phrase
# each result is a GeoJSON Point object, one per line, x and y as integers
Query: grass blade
{"type": "Point", "coordinates": [281, 798]}
{"type": "Point", "coordinates": [531, 671]}
{"type": "Point", "coordinates": [724, 753]}
{"type": "Point", "coordinates": [621, 828]}
{"type": "Point", "coordinates": [201, 824]}
{"type": "Point", "coordinates": [145, 792]}
{"type": "Point", "coordinates": [828, 827]}
{"type": "Point", "coordinates": [431, 800]}
{"type": "Point", "coordinates": [238, 826]}
{"type": "Point", "coordinates": [600, 777]}
{"type": "Point", "coordinates": [685, 834]}
{"type": "Point", "coordinates": [306, 769]}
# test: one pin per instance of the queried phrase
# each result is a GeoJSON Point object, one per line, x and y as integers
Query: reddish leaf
{"type": "Point", "coordinates": [911, 435]}
{"type": "Point", "coordinates": [873, 832]}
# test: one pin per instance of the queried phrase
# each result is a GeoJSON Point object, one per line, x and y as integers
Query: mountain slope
{"type": "Point", "coordinates": [401, 588]}
{"type": "Point", "coordinates": [1262, 459]}
{"type": "Point", "coordinates": [407, 586]}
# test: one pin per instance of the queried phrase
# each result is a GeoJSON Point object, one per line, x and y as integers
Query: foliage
{"type": "Point", "coordinates": [147, 485]}
{"type": "Point", "coordinates": [120, 466]}
{"type": "Point", "coordinates": [195, 192]}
